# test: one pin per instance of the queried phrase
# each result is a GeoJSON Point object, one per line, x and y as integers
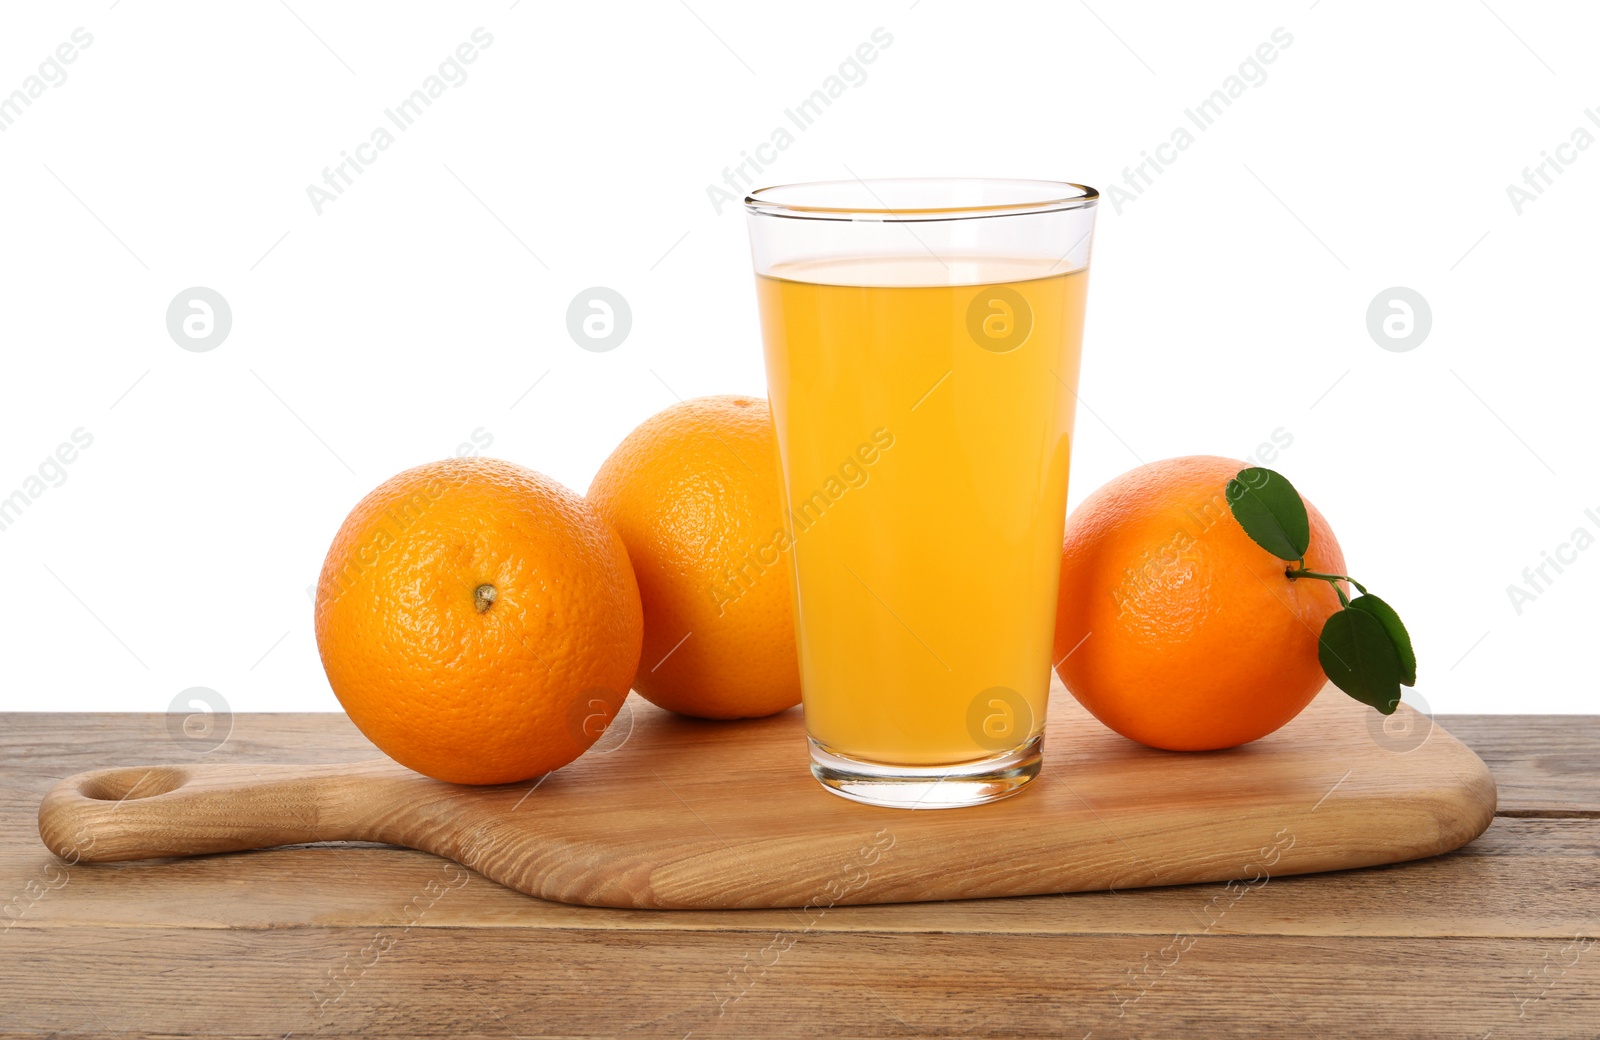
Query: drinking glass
{"type": "Point", "coordinates": [922, 340]}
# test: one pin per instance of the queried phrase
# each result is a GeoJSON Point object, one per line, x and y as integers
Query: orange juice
{"type": "Point", "coordinates": [924, 409]}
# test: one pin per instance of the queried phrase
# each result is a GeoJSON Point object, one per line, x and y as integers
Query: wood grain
{"type": "Point", "coordinates": [1545, 765]}
{"type": "Point", "coordinates": [262, 944]}
{"type": "Point", "coordinates": [687, 814]}
{"type": "Point", "coordinates": [496, 983]}
{"type": "Point", "coordinates": [1529, 879]}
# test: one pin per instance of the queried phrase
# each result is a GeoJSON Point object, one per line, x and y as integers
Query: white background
{"type": "Point", "coordinates": [1229, 298]}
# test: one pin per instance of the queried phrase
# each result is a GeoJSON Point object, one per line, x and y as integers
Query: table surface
{"type": "Point", "coordinates": [1498, 939]}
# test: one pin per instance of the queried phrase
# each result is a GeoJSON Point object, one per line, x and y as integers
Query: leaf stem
{"type": "Point", "coordinates": [1301, 572]}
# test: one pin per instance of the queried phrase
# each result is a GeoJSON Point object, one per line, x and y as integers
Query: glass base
{"type": "Point", "coordinates": [927, 787]}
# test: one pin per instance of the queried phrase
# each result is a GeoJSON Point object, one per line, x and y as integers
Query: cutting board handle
{"type": "Point", "coordinates": [150, 812]}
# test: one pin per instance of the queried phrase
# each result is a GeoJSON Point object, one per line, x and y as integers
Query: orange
{"type": "Point", "coordinates": [1173, 627]}
{"type": "Point", "coordinates": [694, 493]}
{"type": "Point", "coordinates": [478, 621]}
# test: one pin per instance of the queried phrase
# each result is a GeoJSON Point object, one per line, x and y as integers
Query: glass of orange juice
{"type": "Point", "coordinates": [922, 341]}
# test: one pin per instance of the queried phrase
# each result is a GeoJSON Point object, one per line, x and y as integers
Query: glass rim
{"type": "Point", "coordinates": [1044, 197]}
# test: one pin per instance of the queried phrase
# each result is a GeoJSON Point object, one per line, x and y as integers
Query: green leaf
{"type": "Point", "coordinates": [1397, 634]}
{"type": "Point", "coordinates": [1361, 659]}
{"type": "Point", "coordinates": [1270, 510]}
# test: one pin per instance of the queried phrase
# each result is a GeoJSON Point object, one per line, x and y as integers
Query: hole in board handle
{"type": "Point", "coordinates": [121, 785]}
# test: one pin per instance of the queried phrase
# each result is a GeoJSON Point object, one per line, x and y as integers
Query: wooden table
{"type": "Point", "coordinates": [1497, 940]}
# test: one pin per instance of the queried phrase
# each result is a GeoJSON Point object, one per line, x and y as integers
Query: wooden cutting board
{"type": "Point", "coordinates": [668, 812]}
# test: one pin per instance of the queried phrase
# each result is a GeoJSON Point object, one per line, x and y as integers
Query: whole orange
{"type": "Point", "coordinates": [1173, 627]}
{"type": "Point", "coordinates": [694, 493]}
{"type": "Point", "coordinates": [478, 621]}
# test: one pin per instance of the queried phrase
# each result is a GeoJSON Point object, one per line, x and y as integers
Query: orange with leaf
{"type": "Point", "coordinates": [1203, 604]}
